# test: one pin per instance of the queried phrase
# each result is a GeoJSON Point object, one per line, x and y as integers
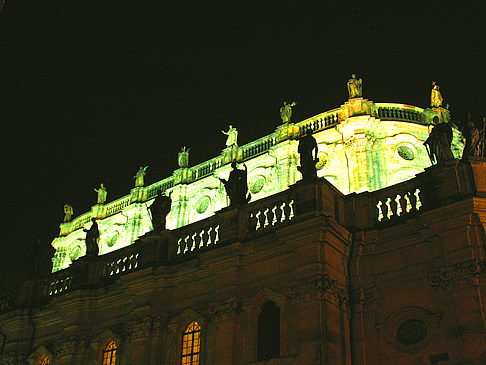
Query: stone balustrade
{"type": "Point", "coordinates": [365, 211]}
{"type": "Point", "coordinates": [319, 122]}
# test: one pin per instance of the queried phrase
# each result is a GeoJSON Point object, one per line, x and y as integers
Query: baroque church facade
{"type": "Point", "coordinates": [379, 260]}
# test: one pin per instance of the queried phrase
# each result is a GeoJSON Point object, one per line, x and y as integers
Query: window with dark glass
{"type": "Point", "coordinates": [109, 354]}
{"type": "Point", "coordinates": [269, 331]}
{"type": "Point", "coordinates": [191, 344]}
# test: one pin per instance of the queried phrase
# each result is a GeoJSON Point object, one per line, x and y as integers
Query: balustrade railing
{"type": "Point", "coordinates": [258, 147]}
{"type": "Point", "coordinates": [197, 238]}
{"type": "Point", "coordinates": [319, 122]}
{"type": "Point", "coordinates": [117, 206]}
{"type": "Point", "coordinates": [271, 214]}
{"type": "Point", "coordinates": [206, 168]}
{"type": "Point", "coordinates": [121, 265]}
{"type": "Point", "coordinates": [163, 186]}
{"type": "Point", "coordinates": [59, 283]}
{"type": "Point", "coordinates": [364, 211]}
{"type": "Point", "coordinates": [398, 204]}
{"type": "Point", "coordinates": [80, 221]}
{"type": "Point", "coordinates": [394, 113]}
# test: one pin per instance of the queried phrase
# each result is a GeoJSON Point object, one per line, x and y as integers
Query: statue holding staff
{"type": "Point", "coordinates": [102, 192]}
{"type": "Point", "coordinates": [232, 134]}
{"type": "Point", "coordinates": [286, 111]}
{"type": "Point", "coordinates": [139, 176]}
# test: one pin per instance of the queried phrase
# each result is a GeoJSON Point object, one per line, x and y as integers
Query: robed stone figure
{"type": "Point", "coordinates": [92, 236]}
{"type": "Point", "coordinates": [159, 210]}
{"type": "Point", "coordinates": [286, 111]}
{"type": "Point", "coordinates": [355, 87]}
{"type": "Point", "coordinates": [308, 156]}
{"type": "Point", "coordinates": [237, 186]}
{"type": "Point", "coordinates": [435, 96]}
{"type": "Point", "coordinates": [439, 142]}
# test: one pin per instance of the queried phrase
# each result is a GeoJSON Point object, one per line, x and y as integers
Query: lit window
{"type": "Point", "coordinates": [45, 361]}
{"type": "Point", "coordinates": [269, 332]}
{"type": "Point", "coordinates": [191, 344]}
{"type": "Point", "coordinates": [109, 354]}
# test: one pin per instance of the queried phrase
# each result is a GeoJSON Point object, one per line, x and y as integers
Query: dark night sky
{"type": "Point", "coordinates": [90, 90]}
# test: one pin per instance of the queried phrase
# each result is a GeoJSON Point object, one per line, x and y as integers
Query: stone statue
{"type": "Point", "coordinates": [183, 157]}
{"type": "Point", "coordinates": [237, 186]}
{"type": "Point", "coordinates": [68, 212]}
{"type": "Point", "coordinates": [439, 142]}
{"type": "Point", "coordinates": [139, 176]}
{"type": "Point", "coordinates": [102, 192]}
{"type": "Point", "coordinates": [286, 111]}
{"type": "Point", "coordinates": [435, 96]}
{"type": "Point", "coordinates": [159, 210]}
{"type": "Point", "coordinates": [471, 135]}
{"type": "Point", "coordinates": [308, 156]}
{"type": "Point", "coordinates": [232, 139]}
{"type": "Point", "coordinates": [92, 236]}
{"type": "Point", "coordinates": [355, 89]}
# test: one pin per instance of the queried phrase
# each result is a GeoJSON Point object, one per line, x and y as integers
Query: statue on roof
{"type": "Point", "coordinates": [139, 176]}
{"type": "Point", "coordinates": [102, 192]}
{"type": "Point", "coordinates": [232, 134]}
{"type": "Point", "coordinates": [355, 87]}
{"type": "Point", "coordinates": [68, 212]}
{"type": "Point", "coordinates": [435, 96]}
{"type": "Point", "coordinates": [438, 144]}
{"type": "Point", "coordinates": [237, 186]}
{"type": "Point", "coordinates": [308, 156]}
{"type": "Point", "coordinates": [92, 236]}
{"type": "Point", "coordinates": [159, 210]}
{"type": "Point", "coordinates": [471, 135]}
{"type": "Point", "coordinates": [183, 157]}
{"type": "Point", "coordinates": [286, 111]}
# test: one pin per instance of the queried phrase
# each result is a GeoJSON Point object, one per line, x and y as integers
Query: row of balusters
{"type": "Point", "coordinates": [398, 205]}
{"type": "Point", "coordinates": [194, 241]}
{"type": "Point", "coordinates": [400, 114]}
{"type": "Point", "coordinates": [271, 215]}
{"type": "Point", "coordinates": [320, 123]}
{"type": "Point", "coordinates": [261, 147]}
{"type": "Point", "coordinates": [121, 265]}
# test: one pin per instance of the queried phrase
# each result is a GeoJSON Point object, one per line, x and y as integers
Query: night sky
{"type": "Point", "coordinates": [90, 90]}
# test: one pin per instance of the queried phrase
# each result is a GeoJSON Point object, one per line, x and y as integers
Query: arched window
{"type": "Point", "coordinates": [191, 344]}
{"type": "Point", "coordinates": [109, 354]}
{"type": "Point", "coordinates": [269, 332]}
{"type": "Point", "coordinates": [45, 361]}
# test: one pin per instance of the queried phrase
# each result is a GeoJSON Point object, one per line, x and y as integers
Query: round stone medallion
{"type": "Point", "coordinates": [412, 332]}
{"type": "Point", "coordinates": [257, 185]}
{"type": "Point", "coordinates": [203, 204]}
{"type": "Point", "coordinates": [75, 253]}
{"type": "Point", "coordinates": [405, 152]}
{"type": "Point", "coordinates": [111, 242]}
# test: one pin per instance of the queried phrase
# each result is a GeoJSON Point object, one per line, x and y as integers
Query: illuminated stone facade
{"type": "Point", "coordinates": [382, 273]}
{"type": "Point", "coordinates": [363, 146]}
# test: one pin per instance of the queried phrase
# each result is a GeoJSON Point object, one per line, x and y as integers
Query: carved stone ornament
{"type": "Point", "coordinates": [321, 287]}
{"type": "Point", "coordinates": [455, 276]}
{"type": "Point", "coordinates": [224, 307]}
{"type": "Point", "coordinates": [66, 347]}
{"type": "Point", "coordinates": [140, 329]}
